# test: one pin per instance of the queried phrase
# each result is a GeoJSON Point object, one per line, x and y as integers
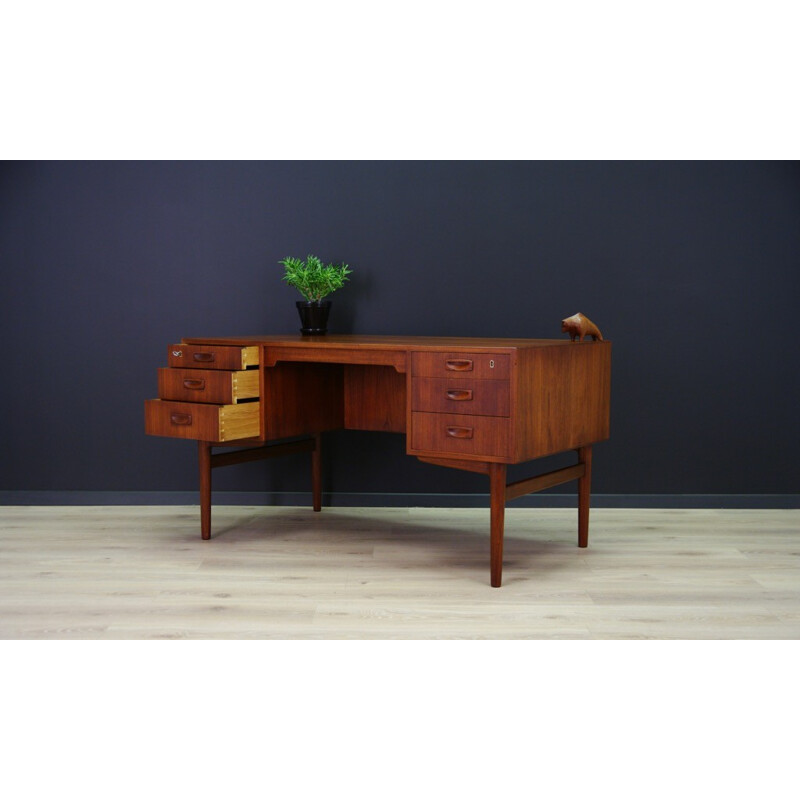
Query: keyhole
{"type": "Point", "coordinates": [491, 364]}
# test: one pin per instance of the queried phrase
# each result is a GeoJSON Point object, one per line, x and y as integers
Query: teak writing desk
{"type": "Point", "coordinates": [471, 404]}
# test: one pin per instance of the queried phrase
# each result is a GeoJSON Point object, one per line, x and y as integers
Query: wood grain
{"type": "Point", "coordinates": [374, 398]}
{"type": "Point", "coordinates": [394, 357]}
{"type": "Point", "coordinates": [561, 399]}
{"type": "Point", "coordinates": [348, 573]}
{"type": "Point", "coordinates": [302, 399]}
{"type": "Point", "coordinates": [461, 396]}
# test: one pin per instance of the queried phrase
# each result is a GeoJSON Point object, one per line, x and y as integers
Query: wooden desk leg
{"type": "Point", "coordinates": [316, 473]}
{"type": "Point", "coordinates": [497, 494]}
{"type": "Point", "coordinates": [204, 459]}
{"type": "Point", "coordinates": [584, 490]}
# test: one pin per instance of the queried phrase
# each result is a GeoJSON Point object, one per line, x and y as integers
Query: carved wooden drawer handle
{"type": "Point", "coordinates": [203, 356]}
{"type": "Point", "coordinates": [459, 433]}
{"type": "Point", "coordinates": [200, 383]}
{"type": "Point", "coordinates": [180, 419]}
{"type": "Point", "coordinates": [459, 364]}
{"type": "Point", "coordinates": [459, 394]}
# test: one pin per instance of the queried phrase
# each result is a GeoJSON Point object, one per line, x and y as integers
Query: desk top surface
{"type": "Point", "coordinates": [388, 342]}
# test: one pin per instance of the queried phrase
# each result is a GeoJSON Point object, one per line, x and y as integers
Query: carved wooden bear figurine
{"type": "Point", "coordinates": [580, 326]}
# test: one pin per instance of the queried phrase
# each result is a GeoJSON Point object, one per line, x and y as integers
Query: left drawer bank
{"type": "Point", "coordinates": [172, 415]}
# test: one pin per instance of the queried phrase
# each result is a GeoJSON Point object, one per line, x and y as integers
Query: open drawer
{"type": "Point", "coordinates": [207, 385]}
{"type": "Point", "coordinates": [204, 356]}
{"type": "Point", "coordinates": [211, 423]}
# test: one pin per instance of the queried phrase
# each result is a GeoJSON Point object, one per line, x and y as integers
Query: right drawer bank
{"type": "Point", "coordinates": [460, 404]}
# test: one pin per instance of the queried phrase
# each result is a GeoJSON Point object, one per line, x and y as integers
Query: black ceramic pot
{"type": "Point", "coordinates": [314, 316]}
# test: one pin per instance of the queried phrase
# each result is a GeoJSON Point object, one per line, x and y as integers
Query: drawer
{"type": "Point", "coordinates": [207, 385]}
{"type": "Point", "coordinates": [472, 365]}
{"type": "Point", "coordinates": [461, 396]}
{"type": "Point", "coordinates": [212, 356]}
{"type": "Point", "coordinates": [201, 421]}
{"type": "Point", "coordinates": [461, 433]}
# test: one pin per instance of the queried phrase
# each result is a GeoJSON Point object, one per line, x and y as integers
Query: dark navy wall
{"type": "Point", "coordinates": [692, 269]}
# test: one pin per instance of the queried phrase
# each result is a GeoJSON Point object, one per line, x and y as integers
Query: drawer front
{"type": "Point", "coordinates": [461, 433]}
{"type": "Point", "coordinates": [199, 421]}
{"type": "Point", "coordinates": [198, 356]}
{"type": "Point", "coordinates": [206, 385]}
{"type": "Point", "coordinates": [470, 365]}
{"type": "Point", "coordinates": [461, 396]}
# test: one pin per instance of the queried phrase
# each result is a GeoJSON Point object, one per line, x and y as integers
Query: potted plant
{"type": "Point", "coordinates": [314, 280]}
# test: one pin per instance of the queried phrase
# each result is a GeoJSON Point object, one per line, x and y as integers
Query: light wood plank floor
{"type": "Point", "coordinates": [366, 573]}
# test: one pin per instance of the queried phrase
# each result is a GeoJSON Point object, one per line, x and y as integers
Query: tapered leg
{"type": "Point", "coordinates": [204, 459]}
{"type": "Point", "coordinates": [316, 473]}
{"type": "Point", "coordinates": [497, 498]}
{"type": "Point", "coordinates": [584, 491]}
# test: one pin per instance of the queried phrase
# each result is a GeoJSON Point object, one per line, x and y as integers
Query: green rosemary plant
{"type": "Point", "coordinates": [313, 279]}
